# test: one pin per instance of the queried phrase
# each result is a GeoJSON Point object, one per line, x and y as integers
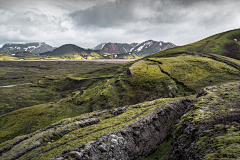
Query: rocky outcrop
{"type": "Point", "coordinates": [211, 130]}
{"type": "Point", "coordinates": [136, 140]}
{"type": "Point", "coordinates": [119, 110]}
{"type": "Point", "coordinates": [35, 140]}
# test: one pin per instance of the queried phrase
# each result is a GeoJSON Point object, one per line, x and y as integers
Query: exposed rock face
{"type": "Point", "coordinates": [117, 48]}
{"type": "Point", "coordinates": [119, 110]}
{"type": "Point", "coordinates": [22, 146]}
{"type": "Point", "coordinates": [136, 140]}
{"type": "Point", "coordinates": [211, 130]}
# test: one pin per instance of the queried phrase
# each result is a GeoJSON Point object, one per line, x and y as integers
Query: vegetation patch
{"type": "Point", "coordinates": [196, 71]}
{"type": "Point", "coordinates": [70, 132]}
{"type": "Point", "coordinates": [211, 129]}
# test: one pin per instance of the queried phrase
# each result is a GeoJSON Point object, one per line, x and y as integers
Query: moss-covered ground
{"type": "Point", "coordinates": [224, 44]}
{"type": "Point", "coordinates": [216, 119]}
{"type": "Point", "coordinates": [14, 72]}
{"type": "Point", "coordinates": [118, 86]}
{"type": "Point", "coordinates": [196, 71]}
{"type": "Point", "coordinates": [55, 145]}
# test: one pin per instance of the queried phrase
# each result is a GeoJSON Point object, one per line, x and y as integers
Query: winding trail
{"type": "Point", "coordinates": [216, 57]}
{"type": "Point", "coordinates": [13, 85]}
{"type": "Point", "coordinates": [210, 41]}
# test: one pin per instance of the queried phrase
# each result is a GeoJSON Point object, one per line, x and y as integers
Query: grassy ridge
{"type": "Point", "coordinates": [220, 44]}
{"type": "Point", "coordinates": [196, 71]}
{"type": "Point", "coordinates": [109, 123]}
{"type": "Point", "coordinates": [216, 124]}
{"type": "Point", "coordinates": [18, 97]}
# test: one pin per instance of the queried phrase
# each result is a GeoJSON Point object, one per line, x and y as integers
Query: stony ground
{"type": "Point", "coordinates": [211, 129]}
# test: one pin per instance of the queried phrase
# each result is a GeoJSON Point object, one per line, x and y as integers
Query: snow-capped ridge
{"type": "Point", "coordinates": [34, 47]}
{"type": "Point", "coordinates": [142, 49]}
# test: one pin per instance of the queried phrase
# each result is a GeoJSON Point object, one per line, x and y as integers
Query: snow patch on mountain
{"type": "Point", "coordinates": [125, 49]}
{"type": "Point", "coordinates": [140, 48]}
{"type": "Point", "coordinates": [99, 47]}
{"type": "Point", "coordinates": [35, 47]}
{"type": "Point", "coordinates": [131, 49]}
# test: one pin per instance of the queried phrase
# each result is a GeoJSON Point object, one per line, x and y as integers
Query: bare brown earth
{"type": "Point", "coordinates": [233, 50]}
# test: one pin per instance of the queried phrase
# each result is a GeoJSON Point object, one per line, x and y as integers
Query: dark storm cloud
{"type": "Point", "coordinates": [90, 22]}
{"type": "Point", "coordinates": [122, 12]}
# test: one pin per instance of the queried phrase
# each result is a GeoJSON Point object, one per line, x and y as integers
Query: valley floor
{"type": "Point", "coordinates": [120, 61]}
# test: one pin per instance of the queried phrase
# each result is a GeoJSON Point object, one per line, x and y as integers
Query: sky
{"type": "Point", "coordinates": [87, 23]}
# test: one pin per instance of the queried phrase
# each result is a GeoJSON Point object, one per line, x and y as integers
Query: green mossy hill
{"type": "Point", "coordinates": [127, 56]}
{"type": "Point", "coordinates": [73, 132]}
{"type": "Point", "coordinates": [225, 44]}
{"type": "Point", "coordinates": [25, 72]}
{"type": "Point", "coordinates": [7, 57]}
{"type": "Point", "coordinates": [211, 130]}
{"type": "Point", "coordinates": [134, 82]}
{"type": "Point", "coordinates": [29, 119]}
{"type": "Point", "coordinates": [196, 71]}
{"type": "Point", "coordinates": [140, 81]}
{"type": "Point", "coordinates": [118, 86]}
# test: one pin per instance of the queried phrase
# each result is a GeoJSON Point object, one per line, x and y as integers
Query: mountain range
{"type": "Point", "coordinates": [35, 47]}
{"type": "Point", "coordinates": [102, 51]}
{"type": "Point", "coordinates": [141, 49]}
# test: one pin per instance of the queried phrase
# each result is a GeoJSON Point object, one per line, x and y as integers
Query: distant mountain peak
{"type": "Point", "coordinates": [34, 47]}
{"type": "Point", "coordinates": [99, 47]}
{"type": "Point", "coordinates": [142, 49]}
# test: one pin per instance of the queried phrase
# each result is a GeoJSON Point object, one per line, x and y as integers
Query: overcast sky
{"type": "Point", "coordinates": [88, 23]}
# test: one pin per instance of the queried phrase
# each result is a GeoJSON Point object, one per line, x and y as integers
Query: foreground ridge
{"type": "Point", "coordinates": [136, 140]}
{"type": "Point", "coordinates": [211, 130]}
{"type": "Point", "coordinates": [144, 127]}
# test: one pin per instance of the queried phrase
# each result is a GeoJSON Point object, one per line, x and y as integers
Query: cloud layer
{"type": "Point", "coordinates": [89, 22]}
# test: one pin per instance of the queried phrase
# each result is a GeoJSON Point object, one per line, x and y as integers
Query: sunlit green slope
{"type": "Point", "coordinates": [225, 44]}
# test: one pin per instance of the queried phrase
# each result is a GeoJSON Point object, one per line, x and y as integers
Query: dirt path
{"type": "Point", "coordinates": [210, 41]}
{"type": "Point", "coordinates": [13, 85]}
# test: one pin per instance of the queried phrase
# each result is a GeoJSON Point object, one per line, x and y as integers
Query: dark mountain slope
{"type": "Point", "coordinates": [143, 49]}
{"type": "Point", "coordinates": [70, 51]}
{"type": "Point", "coordinates": [149, 47]}
{"type": "Point", "coordinates": [117, 48]}
{"type": "Point", "coordinates": [35, 47]}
